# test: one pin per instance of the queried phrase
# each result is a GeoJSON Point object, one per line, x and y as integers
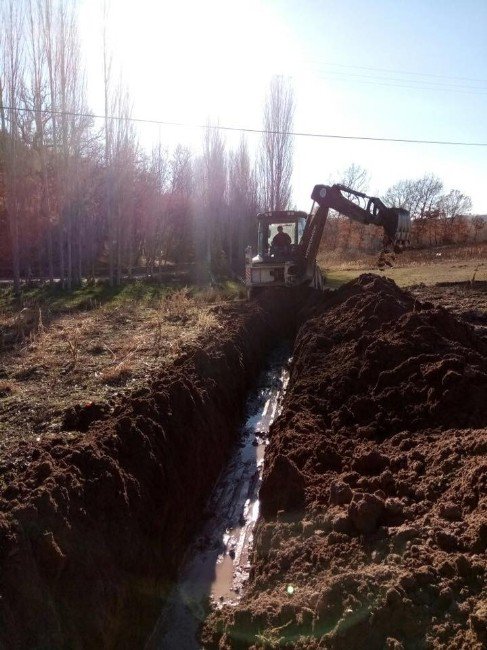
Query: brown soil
{"type": "Point", "coordinates": [464, 299]}
{"type": "Point", "coordinates": [93, 526]}
{"type": "Point", "coordinates": [374, 509]}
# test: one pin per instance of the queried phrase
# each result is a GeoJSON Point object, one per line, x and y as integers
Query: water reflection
{"type": "Point", "coordinates": [218, 560]}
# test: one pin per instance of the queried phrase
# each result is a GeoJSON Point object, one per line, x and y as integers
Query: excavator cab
{"type": "Point", "coordinates": [293, 261]}
{"type": "Point", "coordinates": [277, 263]}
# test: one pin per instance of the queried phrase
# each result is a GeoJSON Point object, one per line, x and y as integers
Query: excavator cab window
{"type": "Point", "coordinates": [287, 228]}
{"type": "Point", "coordinates": [282, 237]}
{"type": "Point", "coordinates": [279, 240]}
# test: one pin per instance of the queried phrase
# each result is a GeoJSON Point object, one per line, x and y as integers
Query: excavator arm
{"type": "Point", "coordinates": [297, 266]}
{"type": "Point", "coordinates": [396, 222]}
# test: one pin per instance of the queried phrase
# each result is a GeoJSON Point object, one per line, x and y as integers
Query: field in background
{"type": "Point", "coordinates": [428, 266]}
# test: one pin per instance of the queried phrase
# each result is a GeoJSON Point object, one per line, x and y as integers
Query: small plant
{"type": "Point", "coordinates": [158, 338]}
{"type": "Point", "coordinates": [474, 275]}
{"type": "Point", "coordinates": [207, 321]}
{"type": "Point", "coordinates": [26, 320]}
{"type": "Point", "coordinates": [117, 374]}
{"type": "Point", "coordinates": [208, 296]}
{"type": "Point", "coordinates": [178, 305]}
{"type": "Point", "coordinates": [73, 349]}
{"type": "Point", "coordinates": [272, 638]}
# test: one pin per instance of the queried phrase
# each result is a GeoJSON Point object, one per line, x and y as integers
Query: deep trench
{"type": "Point", "coordinates": [101, 525]}
{"type": "Point", "coordinates": [217, 563]}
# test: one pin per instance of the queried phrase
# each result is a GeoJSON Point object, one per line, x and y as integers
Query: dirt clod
{"type": "Point", "coordinates": [365, 511]}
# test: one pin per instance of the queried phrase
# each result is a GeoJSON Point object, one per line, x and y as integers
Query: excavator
{"type": "Point", "coordinates": [290, 257]}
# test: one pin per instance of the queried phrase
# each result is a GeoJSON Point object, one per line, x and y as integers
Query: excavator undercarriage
{"type": "Point", "coordinates": [295, 263]}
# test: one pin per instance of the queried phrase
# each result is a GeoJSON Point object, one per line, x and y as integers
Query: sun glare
{"type": "Point", "coordinates": [191, 60]}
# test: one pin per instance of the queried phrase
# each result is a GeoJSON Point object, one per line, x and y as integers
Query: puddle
{"type": "Point", "coordinates": [217, 564]}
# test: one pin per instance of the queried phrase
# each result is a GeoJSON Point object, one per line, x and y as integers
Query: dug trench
{"type": "Point", "coordinates": [373, 527]}
{"type": "Point", "coordinates": [373, 516]}
{"type": "Point", "coordinates": [93, 527]}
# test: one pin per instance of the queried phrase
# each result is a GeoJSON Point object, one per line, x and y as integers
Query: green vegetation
{"type": "Point", "coordinates": [57, 300]}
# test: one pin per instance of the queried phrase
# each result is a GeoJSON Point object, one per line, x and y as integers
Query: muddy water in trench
{"type": "Point", "coordinates": [217, 563]}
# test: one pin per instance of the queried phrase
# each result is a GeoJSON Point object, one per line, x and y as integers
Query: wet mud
{"type": "Point", "coordinates": [373, 531]}
{"type": "Point", "coordinates": [94, 525]}
{"type": "Point", "coordinates": [217, 562]}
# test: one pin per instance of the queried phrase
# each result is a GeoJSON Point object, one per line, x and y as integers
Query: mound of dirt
{"type": "Point", "coordinates": [383, 437]}
{"type": "Point", "coordinates": [93, 526]}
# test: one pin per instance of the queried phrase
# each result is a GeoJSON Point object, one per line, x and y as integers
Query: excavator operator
{"type": "Point", "coordinates": [281, 242]}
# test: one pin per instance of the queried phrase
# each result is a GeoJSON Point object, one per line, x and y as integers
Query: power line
{"type": "Point", "coordinates": [398, 82]}
{"type": "Point", "coordinates": [218, 127]}
{"type": "Point", "coordinates": [404, 84]}
{"type": "Point", "coordinates": [424, 82]}
{"type": "Point", "coordinates": [420, 84]}
{"type": "Point", "coordinates": [403, 72]}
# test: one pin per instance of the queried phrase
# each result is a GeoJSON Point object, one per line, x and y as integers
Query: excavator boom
{"type": "Point", "coordinates": [396, 222]}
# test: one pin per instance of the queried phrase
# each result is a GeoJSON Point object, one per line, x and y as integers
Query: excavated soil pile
{"type": "Point", "coordinates": [93, 526]}
{"type": "Point", "coordinates": [374, 499]}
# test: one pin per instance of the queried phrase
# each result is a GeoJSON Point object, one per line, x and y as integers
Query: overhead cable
{"type": "Point", "coordinates": [219, 127]}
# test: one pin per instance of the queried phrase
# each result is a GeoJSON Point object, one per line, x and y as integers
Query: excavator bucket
{"type": "Point", "coordinates": [397, 227]}
{"type": "Point", "coordinates": [397, 235]}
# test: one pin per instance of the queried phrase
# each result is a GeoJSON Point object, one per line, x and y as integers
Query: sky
{"type": "Point", "coordinates": [410, 69]}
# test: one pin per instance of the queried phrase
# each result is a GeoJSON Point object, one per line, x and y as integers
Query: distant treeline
{"type": "Point", "coordinates": [80, 198]}
{"type": "Point", "coordinates": [438, 217]}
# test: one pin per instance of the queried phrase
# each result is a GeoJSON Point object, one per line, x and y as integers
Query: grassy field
{"type": "Point", "coordinates": [38, 306]}
{"type": "Point", "coordinates": [89, 345]}
{"type": "Point", "coordinates": [55, 299]}
{"type": "Point", "coordinates": [413, 267]}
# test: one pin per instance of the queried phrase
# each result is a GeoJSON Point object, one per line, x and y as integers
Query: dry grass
{"type": "Point", "coordinates": [416, 267]}
{"type": "Point", "coordinates": [178, 305]}
{"type": "Point", "coordinates": [117, 375]}
{"type": "Point", "coordinates": [425, 256]}
{"type": "Point", "coordinates": [94, 355]}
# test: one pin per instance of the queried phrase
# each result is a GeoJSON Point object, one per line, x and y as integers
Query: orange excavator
{"type": "Point", "coordinates": [288, 241]}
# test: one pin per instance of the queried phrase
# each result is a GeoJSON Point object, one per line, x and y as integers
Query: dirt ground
{"type": "Point", "coordinates": [374, 498]}
{"type": "Point", "coordinates": [466, 300]}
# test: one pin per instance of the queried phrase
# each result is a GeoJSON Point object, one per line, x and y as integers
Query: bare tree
{"type": "Point", "coordinates": [400, 195]}
{"type": "Point", "coordinates": [454, 203]}
{"type": "Point", "coordinates": [478, 222]}
{"type": "Point", "coordinates": [242, 205]}
{"type": "Point", "coordinates": [123, 162]}
{"type": "Point", "coordinates": [12, 63]}
{"type": "Point", "coordinates": [180, 236]}
{"type": "Point", "coordinates": [355, 177]}
{"type": "Point", "coordinates": [452, 207]}
{"type": "Point", "coordinates": [421, 197]}
{"type": "Point", "coordinates": [426, 195]}
{"type": "Point", "coordinates": [276, 154]}
{"type": "Point", "coordinates": [209, 219]}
